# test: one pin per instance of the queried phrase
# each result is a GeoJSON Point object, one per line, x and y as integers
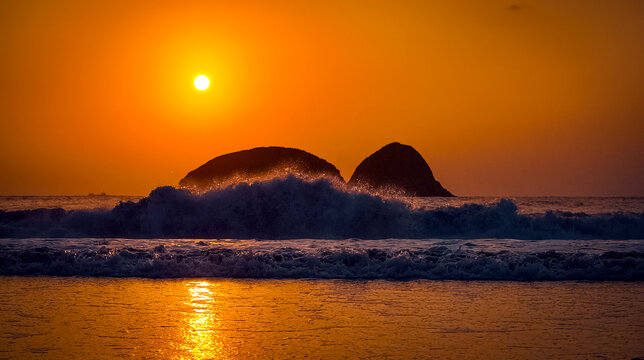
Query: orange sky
{"type": "Point", "coordinates": [501, 98]}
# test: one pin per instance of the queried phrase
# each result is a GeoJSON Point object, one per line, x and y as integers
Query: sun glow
{"type": "Point", "coordinates": [202, 82]}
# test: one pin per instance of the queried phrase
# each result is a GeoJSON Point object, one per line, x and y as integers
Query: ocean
{"type": "Point", "coordinates": [294, 269]}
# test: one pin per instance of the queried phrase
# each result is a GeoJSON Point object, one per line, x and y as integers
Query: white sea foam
{"type": "Point", "coordinates": [483, 259]}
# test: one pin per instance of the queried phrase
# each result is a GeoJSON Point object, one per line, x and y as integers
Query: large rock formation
{"type": "Point", "coordinates": [397, 167]}
{"type": "Point", "coordinates": [256, 164]}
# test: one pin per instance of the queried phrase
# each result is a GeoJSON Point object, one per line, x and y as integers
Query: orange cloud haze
{"type": "Point", "coordinates": [532, 98]}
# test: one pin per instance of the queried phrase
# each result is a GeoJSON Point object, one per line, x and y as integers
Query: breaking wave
{"type": "Point", "coordinates": [289, 208]}
{"type": "Point", "coordinates": [436, 262]}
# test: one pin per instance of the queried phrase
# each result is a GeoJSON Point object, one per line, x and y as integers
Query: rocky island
{"type": "Point", "coordinates": [395, 167]}
{"type": "Point", "coordinates": [399, 168]}
{"type": "Point", "coordinates": [256, 164]}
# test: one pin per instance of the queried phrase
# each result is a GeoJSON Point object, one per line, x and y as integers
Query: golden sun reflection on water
{"type": "Point", "coordinates": [98, 318]}
{"type": "Point", "coordinates": [202, 336]}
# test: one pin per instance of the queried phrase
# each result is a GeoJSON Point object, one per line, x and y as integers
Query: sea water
{"type": "Point", "coordinates": [104, 318]}
{"type": "Point", "coordinates": [294, 269]}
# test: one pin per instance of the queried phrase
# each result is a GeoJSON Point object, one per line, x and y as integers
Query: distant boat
{"type": "Point", "coordinates": [101, 194]}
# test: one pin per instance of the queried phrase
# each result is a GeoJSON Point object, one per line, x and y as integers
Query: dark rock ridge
{"type": "Point", "coordinates": [397, 167]}
{"type": "Point", "coordinates": [253, 164]}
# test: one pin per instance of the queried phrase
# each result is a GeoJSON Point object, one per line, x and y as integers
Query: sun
{"type": "Point", "coordinates": [202, 82]}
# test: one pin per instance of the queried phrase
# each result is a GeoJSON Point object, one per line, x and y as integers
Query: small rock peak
{"type": "Point", "coordinates": [397, 167]}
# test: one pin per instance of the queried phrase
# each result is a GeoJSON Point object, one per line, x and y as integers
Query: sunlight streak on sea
{"type": "Point", "coordinates": [264, 319]}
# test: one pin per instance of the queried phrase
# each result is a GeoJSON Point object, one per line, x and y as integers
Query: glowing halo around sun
{"type": "Point", "coordinates": [202, 82]}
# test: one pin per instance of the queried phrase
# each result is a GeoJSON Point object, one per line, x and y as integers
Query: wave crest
{"type": "Point", "coordinates": [437, 262]}
{"type": "Point", "coordinates": [287, 208]}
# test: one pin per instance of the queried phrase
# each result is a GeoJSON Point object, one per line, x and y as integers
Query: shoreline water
{"type": "Point", "coordinates": [222, 318]}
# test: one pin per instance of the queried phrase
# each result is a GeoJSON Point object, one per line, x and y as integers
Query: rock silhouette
{"type": "Point", "coordinates": [397, 167]}
{"type": "Point", "coordinates": [257, 163]}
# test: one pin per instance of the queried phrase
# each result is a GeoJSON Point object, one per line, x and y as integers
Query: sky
{"type": "Point", "coordinates": [533, 98]}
